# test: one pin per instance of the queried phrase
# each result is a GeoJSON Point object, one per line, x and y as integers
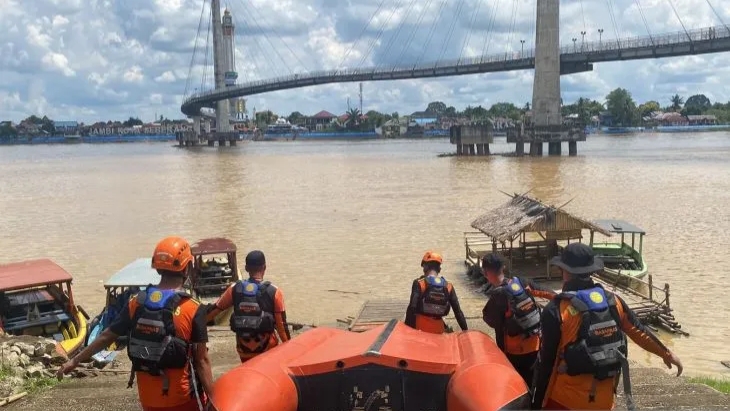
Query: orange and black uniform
{"type": "Point", "coordinates": [270, 302]}
{"type": "Point", "coordinates": [520, 349]}
{"type": "Point", "coordinates": [190, 325]}
{"type": "Point", "coordinates": [432, 297]}
{"type": "Point", "coordinates": [561, 322]}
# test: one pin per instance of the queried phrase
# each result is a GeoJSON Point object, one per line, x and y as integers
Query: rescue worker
{"type": "Point", "coordinates": [514, 314]}
{"type": "Point", "coordinates": [167, 337]}
{"type": "Point", "coordinates": [432, 297]}
{"type": "Point", "coordinates": [258, 310]}
{"type": "Point", "coordinates": [584, 344]}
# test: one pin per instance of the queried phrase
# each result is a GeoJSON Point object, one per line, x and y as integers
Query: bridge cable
{"type": "Point", "coordinates": [467, 39]}
{"type": "Point", "coordinates": [281, 38]}
{"type": "Point", "coordinates": [195, 50]}
{"type": "Point", "coordinates": [613, 22]}
{"type": "Point", "coordinates": [352, 46]}
{"type": "Point", "coordinates": [207, 48]}
{"type": "Point", "coordinates": [392, 39]}
{"type": "Point", "coordinates": [717, 14]}
{"type": "Point", "coordinates": [268, 62]}
{"type": "Point", "coordinates": [371, 47]}
{"type": "Point", "coordinates": [488, 41]}
{"type": "Point", "coordinates": [641, 11]}
{"type": "Point", "coordinates": [244, 29]}
{"type": "Point", "coordinates": [512, 26]}
{"type": "Point", "coordinates": [266, 36]}
{"type": "Point", "coordinates": [680, 21]}
{"type": "Point", "coordinates": [413, 34]}
{"type": "Point", "coordinates": [452, 27]}
{"type": "Point", "coordinates": [431, 32]}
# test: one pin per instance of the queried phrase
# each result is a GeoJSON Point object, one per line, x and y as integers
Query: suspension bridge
{"type": "Point", "coordinates": [547, 57]}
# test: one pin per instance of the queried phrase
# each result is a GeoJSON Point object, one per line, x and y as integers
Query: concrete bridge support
{"type": "Point", "coordinates": [472, 139]}
{"type": "Point", "coordinates": [555, 148]}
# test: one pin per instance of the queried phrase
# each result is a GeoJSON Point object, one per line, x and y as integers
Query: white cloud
{"type": "Point", "coordinates": [80, 59]}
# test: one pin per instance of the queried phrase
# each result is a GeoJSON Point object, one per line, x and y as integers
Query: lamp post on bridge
{"type": "Point", "coordinates": [600, 37]}
{"type": "Point", "coordinates": [583, 40]}
{"type": "Point", "coordinates": [522, 53]}
{"type": "Point", "coordinates": [574, 46]}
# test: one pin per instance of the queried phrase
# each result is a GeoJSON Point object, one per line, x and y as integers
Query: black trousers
{"type": "Point", "coordinates": [524, 364]}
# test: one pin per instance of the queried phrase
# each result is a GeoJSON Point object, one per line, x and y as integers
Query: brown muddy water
{"type": "Point", "coordinates": [357, 216]}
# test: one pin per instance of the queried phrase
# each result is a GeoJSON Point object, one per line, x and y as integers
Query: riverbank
{"type": "Point", "coordinates": [652, 387]}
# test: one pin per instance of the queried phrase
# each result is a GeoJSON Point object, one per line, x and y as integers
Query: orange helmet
{"type": "Point", "coordinates": [431, 256]}
{"type": "Point", "coordinates": [172, 254]}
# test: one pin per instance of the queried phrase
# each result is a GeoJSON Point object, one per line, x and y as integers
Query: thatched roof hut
{"type": "Point", "coordinates": [524, 214]}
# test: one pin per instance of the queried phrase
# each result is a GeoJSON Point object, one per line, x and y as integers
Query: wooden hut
{"type": "Point", "coordinates": [526, 232]}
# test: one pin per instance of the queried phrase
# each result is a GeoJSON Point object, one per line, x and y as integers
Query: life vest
{"type": "Point", "coordinates": [435, 298]}
{"type": "Point", "coordinates": [600, 348]}
{"type": "Point", "coordinates": [524, 314]}
{"type": "Point", "coordinates": [153, 345]}
{"type": "Point", "coordinates": [253, 308]}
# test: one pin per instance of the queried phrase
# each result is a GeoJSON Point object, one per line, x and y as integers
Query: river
{"type": "Point", "coordinates": [358, 216]}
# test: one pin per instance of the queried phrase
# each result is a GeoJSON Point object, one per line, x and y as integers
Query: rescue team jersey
{"type": "Point", "coordinates": [428, 323]}
{"type": "Point", "coordinates": [190, 325]}
{"type": "Point", "coordinates": [282, 329]}
{"type": "Point", "coordinates": [495, 313]}
{"type": "Point", "coordinates": [560, 327]}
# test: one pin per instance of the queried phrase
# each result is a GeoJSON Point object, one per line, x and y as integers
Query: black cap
{"type": "Point", "coordinates": [255, 259]}
{"type": "Point", "coordinates": [492, 261]}
{"type": "Point", "coordinates": [578, 259]}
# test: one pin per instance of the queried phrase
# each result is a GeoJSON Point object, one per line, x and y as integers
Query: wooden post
{"type": "Point", "coordinates": [666, 293]}
{"type": "Point", "coordinates": [651, 288]}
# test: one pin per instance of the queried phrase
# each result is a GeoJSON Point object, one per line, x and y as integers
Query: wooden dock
{"type": "Point", "coordinates": [375, 313]}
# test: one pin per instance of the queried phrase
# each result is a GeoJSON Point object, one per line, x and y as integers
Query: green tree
{"type": "Point", "coordinates": [507, 110]}
{"type": "Point", "coordinates": [450, 111]}
{"type": "Point", "coordinates": [622, 107]}
{"type": "Point", "coordinates": [677, 102]}
{"type": "Point", "coordinates": [649, 107]}
{"type": "Point", "coordinates": [437, 107]}
{"type": "Point", "coordinates": [696, 105]}
{"type": "Point", "coordinates": [295, 117]}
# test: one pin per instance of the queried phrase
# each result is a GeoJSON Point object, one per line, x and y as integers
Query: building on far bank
{"type": "Point", "coordinates": [66, 127]}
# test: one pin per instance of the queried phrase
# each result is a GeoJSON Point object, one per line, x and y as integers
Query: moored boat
{"type": "Point", "coordinates": [215, 268]}
{"type": "Point", "coordinates": [36, 299]}
{"type": "Point", "coordinates": [120, 287]}
{"type": "Point", "coordinates": [620, 258]}
{"type": "Point", "coordinates": [391, 367]}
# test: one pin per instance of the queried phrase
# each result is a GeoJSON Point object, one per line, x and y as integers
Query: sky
{"type": "Point", "coordinates": [90, 60]}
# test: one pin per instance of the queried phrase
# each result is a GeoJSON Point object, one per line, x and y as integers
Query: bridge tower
{"type": "Point", "coordinates": [230, 74]}
{"type": "Point", "coordinates": [220, 68]}
{"type": "Point", "coordinates": [546, 124]}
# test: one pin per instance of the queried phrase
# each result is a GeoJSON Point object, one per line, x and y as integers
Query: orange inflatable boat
{"type": "Point", "coordinates": [392, 367]}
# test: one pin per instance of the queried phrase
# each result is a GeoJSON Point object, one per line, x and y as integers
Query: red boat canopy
{"type": "Point", "coordinates": [213, 246]}
{"type": "Point", "coordinates": [31, 273]}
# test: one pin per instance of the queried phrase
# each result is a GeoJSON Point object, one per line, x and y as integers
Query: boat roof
{"type": "Point", "coordinates": [31, 273]}
{"type": "Point", "coordinates": [619, 226]}
{"type": "Point", "coordinates": [213, 246]}
{"type": "Point", "coordinates": [138, 273]}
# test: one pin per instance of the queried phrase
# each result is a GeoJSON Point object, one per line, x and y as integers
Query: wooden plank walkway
{"type": "Point", "coordinates": [375, 313]}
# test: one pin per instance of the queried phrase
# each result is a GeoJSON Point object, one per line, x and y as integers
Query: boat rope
{"type": "Point", "coordinates": [195, 384]}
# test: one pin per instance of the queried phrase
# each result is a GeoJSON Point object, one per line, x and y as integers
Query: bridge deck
{"type": "Point", "coordinates": [374, 313]}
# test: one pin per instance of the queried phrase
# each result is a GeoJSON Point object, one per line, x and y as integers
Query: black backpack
{"type": "Point", "coordinates": [153, 345]}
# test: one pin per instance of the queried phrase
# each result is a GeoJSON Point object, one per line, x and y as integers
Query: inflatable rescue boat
{"type": "Point", "coordinates": [392, 367]}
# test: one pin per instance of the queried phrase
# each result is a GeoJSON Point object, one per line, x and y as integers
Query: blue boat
{"type": "Point", "coordinates": [125, 283]}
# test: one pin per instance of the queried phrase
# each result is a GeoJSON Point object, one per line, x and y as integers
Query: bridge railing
{"type": "Point", "coordinates": [601, 46]}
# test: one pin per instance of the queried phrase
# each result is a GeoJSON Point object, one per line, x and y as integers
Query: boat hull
{"type": "Point", "coordinates": [391, 366]}
{"type": "Point", "coordinates": [74, 332]}
{"type": "Point", "coordinates": [621, 262]}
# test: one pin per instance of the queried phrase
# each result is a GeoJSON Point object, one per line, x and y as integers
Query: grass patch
{"type": "Point", "coordinates": [720, 384]}
{"type": "Point", "coordinates": [33, 385]}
